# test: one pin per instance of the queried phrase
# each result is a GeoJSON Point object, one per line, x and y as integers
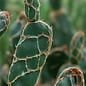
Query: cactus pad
{"type": "Point", "coordinates": [32, 10]}
{"type": "Point", "coordinates": [31, 54]}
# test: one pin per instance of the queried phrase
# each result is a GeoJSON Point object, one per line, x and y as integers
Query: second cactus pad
{"type": "Point", "coordinates": [30, 55]}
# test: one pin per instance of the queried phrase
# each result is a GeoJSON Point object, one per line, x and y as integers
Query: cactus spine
{"type": "Point", "coordinates": [32, 49]}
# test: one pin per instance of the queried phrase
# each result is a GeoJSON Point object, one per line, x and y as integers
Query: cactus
{"type": "Point", "coordinates": [4, 21]}
{"type": "Point", "coordinates": [17, 28]}
{"type": "Point", "coordinates": [71, 76]}
{"type": "Point", "coordinates": [32, 49]}
{"type": "Point", "coordinates": [62, 27]}
{"type": "Point", "coordinates": [76, 47]}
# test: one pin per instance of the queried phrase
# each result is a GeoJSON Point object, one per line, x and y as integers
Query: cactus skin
{"type": "Point", "coordinates": [17, 28]}
{"type": "Point", "coordinates": [71, 76]}
{"type": "Point", "coordinates": [31, 51]}
{"type": "Point", "coordinates": [4, 21]}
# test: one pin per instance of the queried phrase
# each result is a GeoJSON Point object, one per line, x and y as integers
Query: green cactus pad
{"type": "Point", "coordinates": [32, 10]}
{"type": "Point", "coordinates": [31, 54]}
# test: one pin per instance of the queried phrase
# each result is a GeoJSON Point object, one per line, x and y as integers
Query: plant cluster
{"type": "Point", "coordinates": [40, 53]}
